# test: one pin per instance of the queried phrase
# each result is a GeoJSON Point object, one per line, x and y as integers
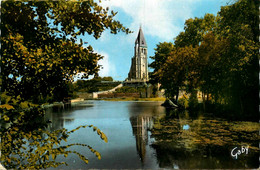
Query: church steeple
{"type": "Point", "coordinates": [140, 39]}
{"type": "Point", "coordinates": [139, 66]}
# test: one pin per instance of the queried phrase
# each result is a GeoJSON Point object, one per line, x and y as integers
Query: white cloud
{"type": "Point", "coordinates": [158, 17]}
{"type": "Point", "coordinates": [107, 67]}
{"type": "Point", "coordinates": [104, 36]}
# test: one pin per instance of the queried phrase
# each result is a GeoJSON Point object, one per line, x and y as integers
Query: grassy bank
{"type": "Point", "coordinates": [135, 99]}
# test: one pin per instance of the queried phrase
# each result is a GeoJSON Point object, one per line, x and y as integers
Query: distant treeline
{"type": "Point", "coordinates": [95, 84]}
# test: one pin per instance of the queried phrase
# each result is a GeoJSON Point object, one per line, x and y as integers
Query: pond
{"type": "Point", "coordinates": [146, 135]}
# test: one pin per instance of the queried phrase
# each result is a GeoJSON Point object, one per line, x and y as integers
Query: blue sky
{"type": "Point", "coordinates": [161, 20]}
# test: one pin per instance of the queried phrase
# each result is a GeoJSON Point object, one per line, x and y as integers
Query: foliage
{"type": "Point", "coordinates": [95, 84]}
{"type": "Point", "coordinates": [217, 55]}
{"type": "Point", "coordinates": [161, 53]}
{"type": "Point", "coordinates": [40, 54]}
{"type": "Point", "coordinates": [193, 100]}
{"type": "Point", "coordinates": [39, 58]}
{"type": "Point", "coordinates": [194, 30]}
{"type": "Point", "coordinates": [126, 89]}
{"type": "Point", "coordinates": [26, 145]}
{"type": "Point", "coordinates": [183, 102]}
{"type": "Point", "coordinates": [241, 59]}
{"type": "Point", "coordinates": [109, 78]}
{"type": "Point", "coordinates": [178, 69]}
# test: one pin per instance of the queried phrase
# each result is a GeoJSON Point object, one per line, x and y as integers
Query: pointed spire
{"type": "Point", "coordinates": [140, 38]}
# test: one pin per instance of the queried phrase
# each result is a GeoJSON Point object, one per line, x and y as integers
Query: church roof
{"type": "Point", "coordinates": [140, 39]}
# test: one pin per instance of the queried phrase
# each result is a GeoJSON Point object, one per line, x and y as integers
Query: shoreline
{"type": "Point", "coordinates": [79, 101]}
{"type": "Point", "coordinates": [158, 99]}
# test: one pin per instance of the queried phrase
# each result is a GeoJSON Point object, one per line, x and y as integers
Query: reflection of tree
{"type": "Point", "coordinates": [206, 144]}
{"type": "Point", "coordinates": [56, 120]}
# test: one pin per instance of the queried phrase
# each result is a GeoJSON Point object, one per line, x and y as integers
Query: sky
{"type": "Point", "coordinates": [161, 21]}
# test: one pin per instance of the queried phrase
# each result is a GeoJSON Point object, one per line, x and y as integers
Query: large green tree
{"type": "Point", "coordinates": [39, 58]}
{"type": "Point", "coordinates": [40, 53]}
{"type": "Point", "coordinates": [211, 65]}
{"type": "Point", "coordinates": [238, 24]}
{"type": "Point", "coordinates": [178, 70]}
{"type": "Point", "coordinates": [226, 65]}
{"type": "Point", "coordinates": [162, 51]}
{"type": "Point", "coordinates": [194, 30]}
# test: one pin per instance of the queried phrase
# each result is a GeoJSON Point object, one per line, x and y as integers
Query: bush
{"type": "Point", "coordinates": [126, 89]}
{"type": "Point", "coordinates": [183, 102]}
{"type": "Point", "coordinates": [193, 100]}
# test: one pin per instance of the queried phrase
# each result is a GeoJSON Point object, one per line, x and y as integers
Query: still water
{"type": "Point", "coordinates": [146, 135]}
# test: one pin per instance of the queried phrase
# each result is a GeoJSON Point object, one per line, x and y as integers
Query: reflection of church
{"type": "Point", "coordinates": [141, 125]}
{"type": "Point", "coordinates": [142, 116]}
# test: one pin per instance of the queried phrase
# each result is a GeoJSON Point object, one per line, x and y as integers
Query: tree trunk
{"type": "Point", "coordinates": [177, 95]}
{"type": "Point", "coordinates": [241, 105]}
{"type": "Point", "coordinates": [203, 99]}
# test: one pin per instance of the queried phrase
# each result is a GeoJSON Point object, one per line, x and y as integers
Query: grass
{"type": "Point", "coordinates": [135, 99]}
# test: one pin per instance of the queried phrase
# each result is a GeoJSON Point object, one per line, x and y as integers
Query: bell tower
{"type": "Point", "coordinates": [139, 66]}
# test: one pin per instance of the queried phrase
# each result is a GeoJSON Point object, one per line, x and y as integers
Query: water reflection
{"type": "Point", "coordinates": [142, 116]}
{"type": "Point", "coordinates": [140, 126]}
{"type": "Point", "coordinates": [202, 142]}
{"type": "Point", "coordinates": [186, 127]}
{"type": "Point", "coordinates": [59, 119]}
{"type": "Point", "coordinates": [145, 135]}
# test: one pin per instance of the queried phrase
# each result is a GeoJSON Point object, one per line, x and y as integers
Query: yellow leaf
{"type": "Point", "coordinates": [6, 106]}
{"type": "Point", "coordinates": [86, 161]}
{"type": "Point", "coordinates": [53, 156]}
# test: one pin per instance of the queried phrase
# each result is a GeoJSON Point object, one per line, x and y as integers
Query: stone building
{"type": "Point", "coordinates": [139, 65]}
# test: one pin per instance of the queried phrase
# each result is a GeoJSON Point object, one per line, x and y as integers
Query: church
{"type": "Point", "coordinates": [139, 65]}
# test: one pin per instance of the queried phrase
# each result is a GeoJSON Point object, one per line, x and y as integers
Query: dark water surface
{"type": "Point", "coordinates": [146, 135]}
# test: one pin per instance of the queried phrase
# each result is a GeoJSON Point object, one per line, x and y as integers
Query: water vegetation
{"type": "Point", "coordinates": [204, 141]}
{"type": "Point", "coordinates": [207, 132]}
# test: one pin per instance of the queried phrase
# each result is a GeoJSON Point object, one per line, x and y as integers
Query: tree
{"type": "Point", "coordinates": [186, 72]}
{"type": "Point", "coordinates": [226, 65]}
{"type": "Point", "coordinates": [212, 65]}
{"type": "Point", "coordinates": [39, 58]}
{"type": "Point", "coordinates": [109, 78]}
{"type": "Point", "coordinates": [40, 54]}
{"type": "Point", "coordinates": [237, 23]}
{"type": "Point", "coordinates": [177, 70]}
{"type": "Point", "coordinates": [162, 51]}
{"type": "Point", "coordinates": [194, 30]}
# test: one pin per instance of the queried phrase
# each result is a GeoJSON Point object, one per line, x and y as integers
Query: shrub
{"type": "Point", "coordinates": [183, 102]}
